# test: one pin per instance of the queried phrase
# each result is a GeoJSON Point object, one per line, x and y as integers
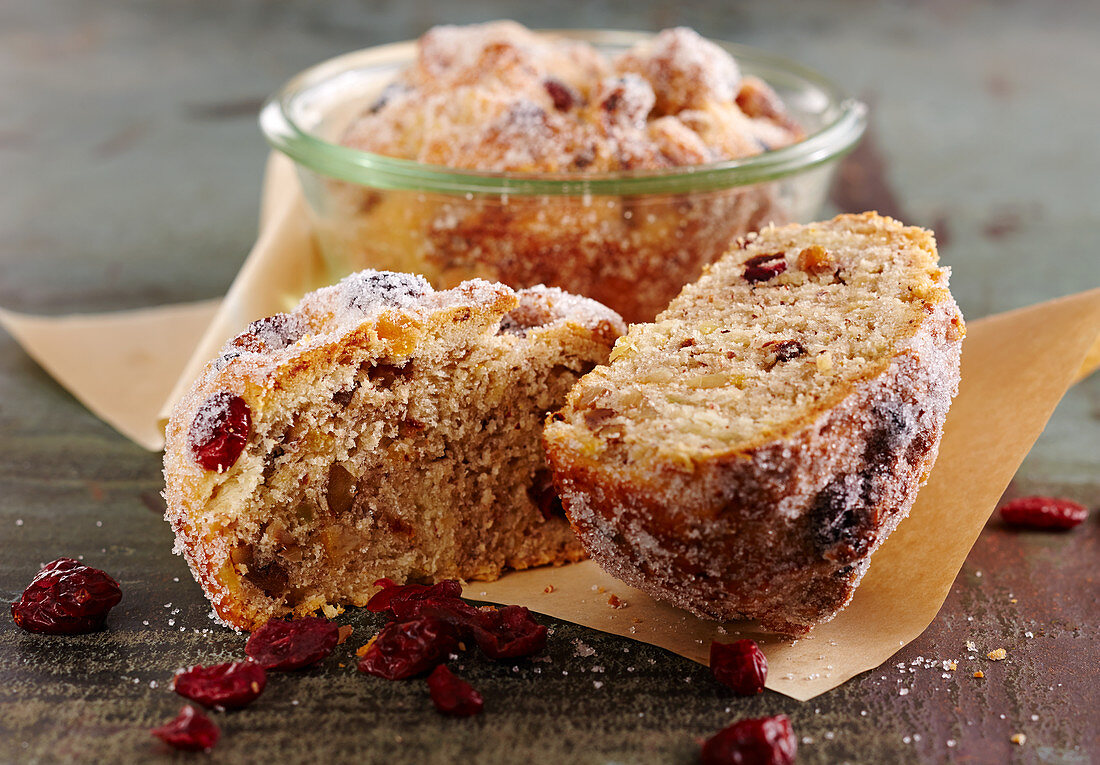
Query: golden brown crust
{"type": "Point", "coordinates": [777, 528]}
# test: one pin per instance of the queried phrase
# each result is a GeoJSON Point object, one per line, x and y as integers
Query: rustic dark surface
{"type": "Point", "coordinates": [131, 166]}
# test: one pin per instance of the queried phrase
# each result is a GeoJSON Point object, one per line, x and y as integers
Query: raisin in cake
{"type": "Point", "coordinates": [744, 455]}
{"type": "Point", "coordinates": [381, 429]}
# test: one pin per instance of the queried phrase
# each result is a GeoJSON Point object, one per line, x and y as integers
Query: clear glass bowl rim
{"type": "Point", "coordinates": [832, 141]}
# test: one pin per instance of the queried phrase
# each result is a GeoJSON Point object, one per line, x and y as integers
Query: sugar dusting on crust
{"type": "Point", "coordinates": [498, 97]}
{"type": "Point", "coordinates": [664, 501]}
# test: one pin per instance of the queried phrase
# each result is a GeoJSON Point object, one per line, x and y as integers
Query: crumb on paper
{"type": "Point", "coordinates": [997, 654]}
{"type": "Point", "coordinates": [615, 602]}
{"type": "Point", "coordinates": [1019, 739]}
{"type": "Point", "coordinates": [344, 633]}
{"type": "Point", "coordinates": [549, 589]}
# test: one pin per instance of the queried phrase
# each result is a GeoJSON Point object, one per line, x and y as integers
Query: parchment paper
{"type": "Point", "coordinates": [129, 367]}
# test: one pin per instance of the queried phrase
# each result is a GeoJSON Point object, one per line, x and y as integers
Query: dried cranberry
{"type": "Point", "coordinates": [1044, 513]}
{"type": "Point", "coordinates": [740, 666]}
{"type": "Point", "coordinates": [280, 645]}
{"type": "Point", "coordinates": [405, 649]}
{"type": "Point", "coordinates": [229, 686]}
{"type": "Point", "coordinates": [191, 731]}
{"type": "Point", "coordinates": [453, 695]}
{"type": "Point", "coordinates": [404, 602]}
{"type": "Point", "coordinates": [760, 268]}
{"type": "Point", "coordinates": [562, 94]}
{"type": "Point", "coordinates": [66, 598]}
{"type": "Point", "coordinates": [761, 741]}
{"type": "Point", "coordinates": [219, 431]}
{"type": "Point", "coordinates": [508, 632]}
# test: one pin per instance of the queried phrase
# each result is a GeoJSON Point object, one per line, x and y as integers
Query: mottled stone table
{"type": "Point", "coordinates": [131, 165]}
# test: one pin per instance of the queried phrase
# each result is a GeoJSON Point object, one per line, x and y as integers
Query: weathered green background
{"type": "Point", "coordinates": [129, 176]}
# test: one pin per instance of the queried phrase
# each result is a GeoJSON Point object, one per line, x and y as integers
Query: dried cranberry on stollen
{"type": "Point", "coordinates": [760, 741]}
{"type": "Point", "coordinates": [761, 268]}
{"type": "Point", "coordinates": [191, 731]}
{"type": "Point", "coordinates": [227, 686]}
{"type": "Point", "coordinates": [66, 598]}
{"type": "Point", "coordinates": [740, 666]}
{"type": "Point", "coordinates": [285, 645]}
{"type": "Point", "coordinates": [220, 431]}
{"type": "Point", "coordinates": [453, 695]}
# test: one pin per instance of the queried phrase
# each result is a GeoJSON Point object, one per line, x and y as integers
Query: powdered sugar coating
{"type": "Point", "coordinates": [498, 97]}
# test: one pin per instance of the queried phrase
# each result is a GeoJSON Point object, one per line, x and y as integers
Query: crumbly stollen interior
{"type": "Point", "coordinates": [394, 432]}
{"type": "Point", "coordinates": [744, 455]}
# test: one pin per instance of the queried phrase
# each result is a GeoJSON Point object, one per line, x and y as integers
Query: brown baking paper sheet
{"type": "Point", "coordinates": [130, 367]}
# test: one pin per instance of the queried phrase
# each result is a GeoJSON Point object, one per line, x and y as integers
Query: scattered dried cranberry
{"type": "Point", "coordinates": [66, 598]}
{"type": "Point", "coordinates": [280, 645]}
{"type": "Point", "coordinates": [406, 601]}
{"type": "Point", "coordinates": [405, 649]}
{"type": "Point", "coordinates": [219, 431]}
{"type": "Point", "coordinates": [740, 666]}
{"type": "Point", "coordinates": [761, 741]}
{"type": "Point", "coordinates": [508, 632]}
{"type": "Point", "coordinates": [191, 731]}
{"type": "Point", "coordinates": [229, 686]}
{"type": "Point", "coordinates": [763, 267]}
{"type": "Point", "coordinates": [453, 695]}
{"type": "Point", "coordinates": [1044, 513]}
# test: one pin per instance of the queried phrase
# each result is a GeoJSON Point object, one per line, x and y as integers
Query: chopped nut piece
{"type": "Point", "coordinates": [1019, 739]}
{"type": "Point", "coordinates": [615, 602]}
{"type": "Point", "coordinates": [824, 361]}
{"type": "Point", "coordinates": [979, 674]}
{"type": "Point", "coordinates": [997, 654]}
{"type": "Point", "coordinates": [344, 633]}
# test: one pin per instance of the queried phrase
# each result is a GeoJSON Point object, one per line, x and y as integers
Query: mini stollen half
{"type": "Point", "coordinates": [745, 454]}
{"type": "Point", "coordinates": [381, 429]}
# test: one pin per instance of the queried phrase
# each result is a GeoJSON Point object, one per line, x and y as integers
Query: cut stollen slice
{"type": "Point", "coordinates": [381, 429]}
{"type": "Point", "coordinates": [745, 454]}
